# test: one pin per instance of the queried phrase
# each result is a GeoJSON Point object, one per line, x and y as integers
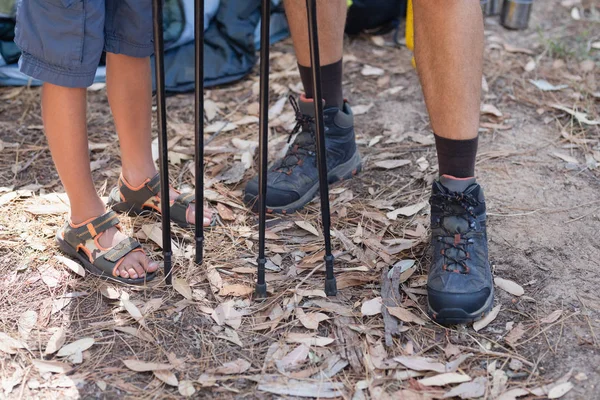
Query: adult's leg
{"type": "Point", "coordinates": [129, 89]}
{"type": "Point", "coordinates": [331, 22]}
{"type": "Point", "coordinates": [449, 56]}
{"type": "Point", "coordinates": [64, 115]}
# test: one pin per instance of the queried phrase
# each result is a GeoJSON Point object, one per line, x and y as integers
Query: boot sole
{"type": "Point", "coordinates": [340, 173]}
{"type": "Point", "coordinates": [458, 316]}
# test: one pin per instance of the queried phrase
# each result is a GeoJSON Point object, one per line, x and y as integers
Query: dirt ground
{"type": "Point", "coordinates": [538, 162]}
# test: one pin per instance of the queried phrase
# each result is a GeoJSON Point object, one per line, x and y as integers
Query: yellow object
{"type": "Point", "coordinates": [410, 30]}
{"type": "Point", "coordinates": [349, 2]}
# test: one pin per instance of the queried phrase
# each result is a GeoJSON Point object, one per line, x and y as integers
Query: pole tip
{"type": "Point", "coordinates": [260, 291]}
{"type": "Point", "coordinates": [330, 287]}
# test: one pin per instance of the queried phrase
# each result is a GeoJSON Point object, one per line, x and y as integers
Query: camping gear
{"type": "Point", "coordinates": [261, 287]}
{"type": "Point", "coordinates": [515, 14]}
{"type": "Point", "coordinates": [493, 7]}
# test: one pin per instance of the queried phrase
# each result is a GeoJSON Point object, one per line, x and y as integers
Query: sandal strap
{"type": "Point", "coordinates": [123, 248]}
{"type": "Point", "coordinates": [150, 189]}
{"type": "Point", "coordinates": [180, 206]}
{"type": "Point", "coordinates": [81, 234]}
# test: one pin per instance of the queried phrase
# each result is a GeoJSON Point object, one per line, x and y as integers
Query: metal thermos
{"type": "Point", "coordinates": [515, 13]}
{"type": "Point", "coordinates": [493, 7]}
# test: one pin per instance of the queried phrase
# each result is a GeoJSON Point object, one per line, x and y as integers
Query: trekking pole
{"type": "Point", "coordinates": [199, 126]}
{"type": "Point", "coordinates": [313, 36]}
{"type": "Point", "coordinates": [261, 286]}
{"type": "Point", "coordinates": [163, 151]}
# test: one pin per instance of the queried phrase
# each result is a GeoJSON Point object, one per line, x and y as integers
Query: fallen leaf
{"type": "Point", "coordinates": [451, 350]}
{"type": "Point", "coordinates": [77, 346]}
{"type": "Point", "coordinates": [293, 358]}
{"type": "Point", "coordinates": [56, 341]}
{"type": "Point", "coordinates": [143, 366]}
{"type": "Point", "coordinates": [310, 320]}
{"type": "Point", "coordinates": [404, 315]}
{"type": "Point", "coordinates": [309, 340]}
{"type": "Point", "coordinates": [225, 313]}
{"type": "Point", "coordinates": [51, 366]}
{"type": "Point", "coordinates": [307, 227]}
{"type": "Point", "coordinates": [182, 287]}
{"type": "Point", "coordinates": [581, 117]}
{"type": "Point", "coordinates": [371, 307]}
{"type": "Point", "coordinates": [186, 388]}
{"type": "Point", "coordinates": [47, 209]}
{"type": "Point", "coordinates": [232, 336]}
{"type": "Point", "coordinates": [301, 388]}
{"type": "Point", "coordinates": [75, 358]}
{"type": "Point", "coordinates": [560, 390]}
{"type": "Point", "coordinates": [566, 158]}
{"type": "Point", "coordinates": [214, 278]}
{"type": "Point", "coordinates": [154, 233]}
{"type": "Point", "coordinates": [530, 66]}
{"type": "Point", "coordinates": [509, 286]}
{"type": "Point", "coordinates": [371, 71]}
{"type": "Point", "coordinates": [552, 317]}
{"type": "Point", "coordinates": [277, 108]}
{"type": "Point", "coordinates": [238, 366]}
{"type": "Point", "coordinates": [417, 363]}
{"type": "Point", "coordinates": [220, 126]}
{"type": "Point", "coordinates": [407, 211]}
{"type": "Point", "coordinates": [247, 120]}
{"type": "Point", "coordinates": [515, 334]}
{"type": "Point", "coordinates": [72, 265]}
{"type": "Point", "coordinates": [8, 197]}
{"type": "Point", "coordinates": [59, 304]}
{"type": "Point", "coordinates": [485, 321]}
{"type": "Point", "coordinates": [575, 14]}
{"type": "Point", "coordinates": [512, 49]}
{"type": "Point", "coordinates": [444, 379]}
{"type": "Point", "coordinates": [468, 390]}
{"type": "Point", "coordinates": [210, 112]}
{"type": "Point", "coordinates": [391, 164]}
{"type": "Point", "coordinates": [135, 332]}
{"type": "Point", "coordinates": [490, 109]}
{"type": "Point", "coordinates": [9, 345]}
{"type": "Point", "coordinates": [236, 290]}
{"type": "Point", "coordinates": [167, 377]}
{"type": "Point", "coordinates": [311, 293]}
{"type": "Point", "coordinates": [362, 109]}
{"type": "Point", "coordinates": [547, 86]}
{"type": "Point", "coordinates": [225, 212]}
{"type": "Point", "coordinates": [26, 323]}
{"type": "Point", "coordinates": [513, 394]}
{"type": "Point", "coordinates": [133, 311]}
{"type": "Point", "coordinates": [109, 292]}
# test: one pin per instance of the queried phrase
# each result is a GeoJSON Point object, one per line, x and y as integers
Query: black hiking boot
{"type": "Point", "coordinates": [293, 181]}
{"type": "Point", "coordinates": [459, 287]}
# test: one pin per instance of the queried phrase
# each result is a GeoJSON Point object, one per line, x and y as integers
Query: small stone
{"type": "Point", "coordinates": [581, 377]}
{"type": "Point", "coordinates": [515, 364]}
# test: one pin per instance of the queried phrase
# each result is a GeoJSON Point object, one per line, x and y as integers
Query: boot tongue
{"type": "Point", "coordinates": [457, 185]}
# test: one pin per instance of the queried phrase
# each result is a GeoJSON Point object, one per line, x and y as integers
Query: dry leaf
{"type": "Point", "coordinates": [485, 321]}
{"type": "Point", "coordinates": [311, 320]}
{"type": "Point", "coordinates": [186, 388]}
{"type": "Point", "coordinates": [371, 307]}
{"type": "Point", "coordinates": [546, 86]}
{"type": "Point", "coordinates": [182, 287]}
{"type": "Point", "coordinates": [220, 126]}
{"type": "Point", "coordinates": [513, 394]}
{"type": "Point", "coordinates": [59, 304]}
{"type": "Point", "coordinates": [51, 366]}
{"type": "Point", "coordinates": [509, 286]}
{"type": "Point", "coordinates": [468, 390]}
{"type": "Point", "coordinates": [238, 366]}
{"type": "Point", "coordinates": [407, 211]}
{"type": "Point", "coordinates": [371, 71]}
{"type": "Point", "coordinates": [530, 66]}
{"type": "Point", "coordinates": [8, 197]}
{"type": "Point", "coordinates": [232, 336]}
{"type": "Point", "coordinates": [515, 334]}
{"type": "Point", "coordinates": [362, 109]}
{"type": "Point", "coordinates": [154, 233]}
{"type": "Point", "coordinates": [296, 388]}
{"type": "Point", "coordinates": [214, 278]}
{"type": "Point", "coordinates": [293, 358]}
{"type": "Point", "coordinates": [236, 290]}
{"type": "Point", "coordinates": [404, 315]}
{"type": "Point", "coordinates": [307, 227]}
{"type": "Point", "coordinates": [225, 212]}
{"type": "Point", "coordinates": [391, 164]}
{"type": "Point", "coordinates": [490, 109]}
{"type": "Point", "coordinates": [72, 265]}
{"type": "Point", "coordinates": [76, 347]}
{"type": "Point", "coordinates": [9, 345]}
{"type": "Point", "coordinates": [552, 317]}
{"type": "Point", "coordinates": [566, 158]}
{"type": "Point", "coordinates": [56, 341]}
{"type": "Point", "coordinates": [210, 111]}
{"type": "Point", "coordinates": [560, 390]}
{"type": "Point", "coordinates": [311, 293]}
{"type": "Point", "coordinates": [133, 311]}
{"type": "Point", "coordinates": [26, 323]}
{"type": "Point", "coordinates": [445, 379]}
{"type": "Point", "coordinates": [135, 332]}
{"type": "Point", "coordinates": [225, 313]}
{"type": "Point", "coordinates": [512, 49]}
{"type": "Point", "coordinates": [309, 340]}
{"type": "Point", "coordinates": [167, 377]}
{"type": "Point", "coordinates": [421, 363]}
{"type": "Point", "coordinates": [109, 292]}
{"type": "Point", "coordinates": [143, 366]}
{"type": "Point", "coordinates": [581, 117]}
{"type": "Point", "coordinates": [451, 350]}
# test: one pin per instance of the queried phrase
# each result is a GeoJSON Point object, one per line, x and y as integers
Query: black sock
{"type": "Point", "coordinates": [456, 157]}
{"type": "Point", "coordinates": [331, 83]}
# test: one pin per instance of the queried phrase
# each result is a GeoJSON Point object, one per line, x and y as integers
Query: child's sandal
{"type": "Point", "coordinates": [81, 242]}
{"type": "Point", "coordinates": [145, 198]}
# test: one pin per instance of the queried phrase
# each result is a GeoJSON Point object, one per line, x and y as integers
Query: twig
{"type": "Point", "coordinates": [545, 329]}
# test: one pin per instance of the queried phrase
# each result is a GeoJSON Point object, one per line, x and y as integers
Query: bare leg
{"type": "Point", "coordinates": [64, 115]}
{"type": "Point", "coordinates": [449, 56]}
{"type": "Point", "coordinates": [129, 89]}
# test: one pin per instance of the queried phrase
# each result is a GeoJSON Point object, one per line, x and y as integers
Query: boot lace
{"type": "Point", "coordinates": [453, 240]}
{"type": "Point", "coordinates": [305, 143]}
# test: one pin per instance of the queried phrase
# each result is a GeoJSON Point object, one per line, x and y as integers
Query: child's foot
{"type": "Point", "coordinates": [135, 264]}
{"type": "Point", "coordinates": [134, 200]}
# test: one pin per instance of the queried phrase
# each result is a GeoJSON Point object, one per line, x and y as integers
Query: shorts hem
{"type": "Point", "coordinates": [56, 75]}
{"type": "Point", "coordinates": [118, 45]}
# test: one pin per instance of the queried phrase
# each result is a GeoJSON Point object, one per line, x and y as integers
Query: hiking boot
{"type": "Point", "coordinates": [459, 286]}
{"type": "Point", "coordinates": [293, 181]}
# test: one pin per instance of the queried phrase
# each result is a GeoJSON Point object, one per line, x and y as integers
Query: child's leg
{"type": "Point", "coordinates": [129, 89]}
{"type": "Point", "coordinates": [64, 115]}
